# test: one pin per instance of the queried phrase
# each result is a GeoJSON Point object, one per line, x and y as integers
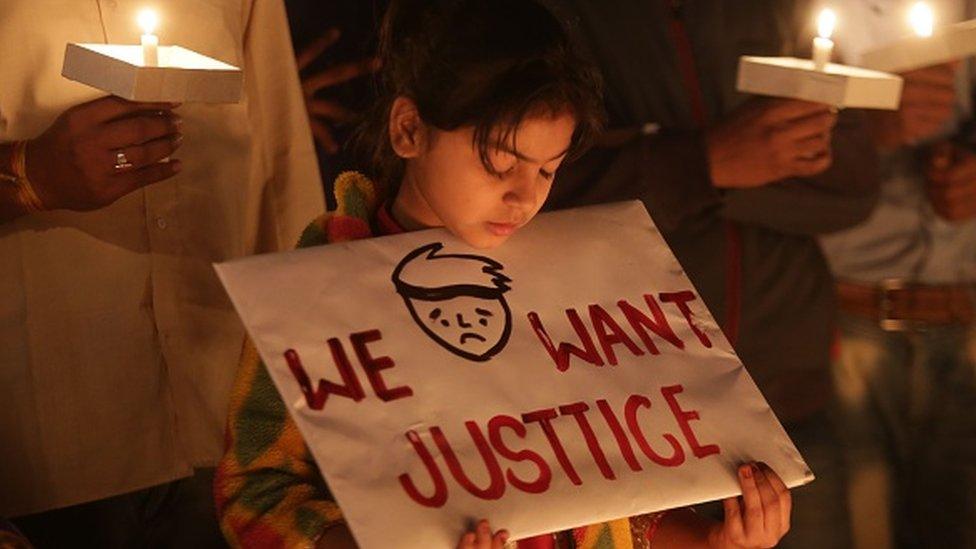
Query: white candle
{"type": "Point", "coordinates": [823, 46]}
{"type": "Point", "coordinates": [922, 19]}
{"type": "Point", "coordinates": [150, 42]}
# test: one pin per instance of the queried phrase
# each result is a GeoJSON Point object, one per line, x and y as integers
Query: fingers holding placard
{"type": "Point", "coordinates": [782, 495]}
{"type": "Point", "coordinates": [760, 517]}
{"type": "Point", "coordinates": [483, 538]}
{"type": "Point", "coordinates": [337, 537]}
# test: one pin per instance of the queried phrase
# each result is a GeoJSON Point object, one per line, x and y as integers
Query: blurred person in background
{"type": "Point", "coordinates": [906, 362]}
{"type": "Point", "coordinates": [114, 330]}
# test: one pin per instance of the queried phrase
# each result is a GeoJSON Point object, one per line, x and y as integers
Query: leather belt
{"type": "Point", "coordinates": [899, 305]}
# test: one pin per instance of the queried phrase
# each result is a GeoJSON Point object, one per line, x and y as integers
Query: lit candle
{"type": "Point", "coordinates": [922, 19]}
{"type": "Point", "coordinates": [150, 42]}
{"type": "Point", "coordinates": [823, 46]}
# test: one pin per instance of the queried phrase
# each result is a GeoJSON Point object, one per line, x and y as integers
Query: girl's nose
{"type": "Point", "coordinates": [523, 193]}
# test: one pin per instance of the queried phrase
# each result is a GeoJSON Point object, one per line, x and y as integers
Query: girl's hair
{"type": "Point", "coordinates": [486, 64]}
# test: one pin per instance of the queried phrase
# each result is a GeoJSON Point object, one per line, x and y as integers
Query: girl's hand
{"type": "Point", "coordinates": [760, 517]}
{"type": "Point", "coordinates": [482, 538]}
{"type": "Point", "coordinates": [337, 537]}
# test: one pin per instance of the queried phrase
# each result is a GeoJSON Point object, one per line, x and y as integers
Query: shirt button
{"type": "Point", "coordinates": [161, 223]}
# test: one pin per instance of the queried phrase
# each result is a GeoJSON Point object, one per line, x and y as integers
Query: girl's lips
{"type": "Point", "coordinates": [502, 229]}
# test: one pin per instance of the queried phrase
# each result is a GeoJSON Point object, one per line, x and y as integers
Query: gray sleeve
{"type": "Point", "coordinates": [668, 172]}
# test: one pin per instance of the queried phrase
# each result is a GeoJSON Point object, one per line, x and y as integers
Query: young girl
{"type": "Point", "coordinates": [484, 100]}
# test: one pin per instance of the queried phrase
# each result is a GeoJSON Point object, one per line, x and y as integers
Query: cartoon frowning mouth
{"type": "Point", "coordinates": [458, 300]}
{"type": "Point", "coordinates": [469, 335]}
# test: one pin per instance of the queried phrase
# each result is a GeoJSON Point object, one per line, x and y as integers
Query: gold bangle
{"type": "Point", "coordinates": [26, 194]}
{"type": "Point", "coordinates": [7, 172]}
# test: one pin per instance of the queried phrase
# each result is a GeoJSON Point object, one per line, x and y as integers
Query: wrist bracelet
{"type": "Point", "coordinates": [7, 172]}
{"type": "Point", "coordinates": [26, 194]}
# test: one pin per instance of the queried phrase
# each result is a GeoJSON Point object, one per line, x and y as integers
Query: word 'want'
{"type": "Point", "coordinates": [609, 333]}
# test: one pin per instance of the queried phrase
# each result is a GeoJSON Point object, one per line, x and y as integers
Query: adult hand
{"type": "Point", "coordinates": [951, 181]}
{"type": "Point", "coordinates": [322, 113]}
{"type": "Point", "coordinates": [758, 519]}
{"type": "Point", "coordinates": [928, 101]}
{"type": "Point", "coordinates": [73, 164]}
{"type": "Point", "coordinates": [767, 140]}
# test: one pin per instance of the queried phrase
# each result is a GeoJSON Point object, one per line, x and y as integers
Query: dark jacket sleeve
{"type": "Point", "coordinates": [668, 172]}
{"type": "Point", "coordinates": [841, 197]}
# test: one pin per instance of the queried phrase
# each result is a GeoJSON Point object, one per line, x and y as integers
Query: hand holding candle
{"type": "Point", "coordinates": [929, 96]}
{"type": "Point", "coordinates": [74, 164]}
{"type": "Point", "coordinates": [951, 181]}
{"type": "Point", "coordinates": [768, 140]}
{"type": "Point", "coordinates": [150, 42]}
{"type": "Point", "coordinates": [823, 46]}
{"type": "Point", "coordinates": [928, 104]}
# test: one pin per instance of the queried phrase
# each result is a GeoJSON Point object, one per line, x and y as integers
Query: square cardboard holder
{"type": "Point", "coordinates": [948, 43]}
{"type": "Point", "coordinates": [841, 86]}
{"type": "Point", "coordinates": [182, 75]}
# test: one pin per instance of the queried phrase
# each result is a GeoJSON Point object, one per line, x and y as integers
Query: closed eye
{"type": "Point", "coordinates": [546, 175]}
{"type": "Point", "coordinates": [505, 173]}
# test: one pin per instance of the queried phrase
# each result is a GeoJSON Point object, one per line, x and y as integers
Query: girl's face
{"type": "Point", "coordinates": [447, 185]}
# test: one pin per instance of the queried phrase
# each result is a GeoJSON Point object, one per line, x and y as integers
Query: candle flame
{"type": "Point", "coordinates": [147, 20]}
{"type": "Point", "coordinates": [922, 19]}
{"type": "Point", "coordinates": [826, 22]}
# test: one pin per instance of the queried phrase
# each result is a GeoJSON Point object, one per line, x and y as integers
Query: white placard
{"type": "Point", "coordinates": [569, 377]}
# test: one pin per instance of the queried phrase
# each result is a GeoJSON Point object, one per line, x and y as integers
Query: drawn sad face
{"type": "Point", "coordinates": [458, 300]}
{"type": "Point", "coordinates": [471, 326]}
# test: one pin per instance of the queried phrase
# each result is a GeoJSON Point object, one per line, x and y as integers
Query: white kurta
{"type": "Point", "coordinates": [118, 346]}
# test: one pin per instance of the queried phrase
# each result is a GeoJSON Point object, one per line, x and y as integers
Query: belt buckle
{"type": "Point", "coordinates": [886, 306]}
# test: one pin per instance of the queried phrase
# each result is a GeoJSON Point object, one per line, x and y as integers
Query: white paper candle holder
{"type": "Point", "coordinates": [841, 86]}
{"type": "Point", "coordinates": [952, 42]}
{"type": "Point", "coordinates": [182, 75]}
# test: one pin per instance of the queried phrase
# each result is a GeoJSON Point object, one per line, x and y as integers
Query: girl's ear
{"type": "Point", "coordinates": [408, 133]}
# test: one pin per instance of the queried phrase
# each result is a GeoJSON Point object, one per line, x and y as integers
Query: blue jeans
{"type": "Point", "coordinates": [820, 520]}
{"type": "Point", "coordinates": [907, 407]}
